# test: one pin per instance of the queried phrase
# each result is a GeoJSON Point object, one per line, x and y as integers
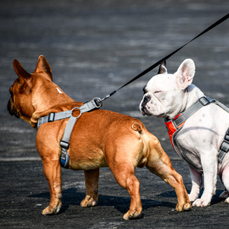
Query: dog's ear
{"type": "Point", "coordinates": [43, 66]}
{"type": "Point", "coordinates": [23, 75]}
{"type": "Point", "coordinates": [162, 69]}
{"type": "Point", "coordinates": [185, 73]}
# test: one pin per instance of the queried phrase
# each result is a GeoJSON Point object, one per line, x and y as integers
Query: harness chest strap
{"type": "Point", "coordinates": [176, 124]}
{"type": "Point", "coordinates": [64, 143]}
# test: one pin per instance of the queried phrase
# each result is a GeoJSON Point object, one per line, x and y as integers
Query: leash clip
{"type": "Point", "coordinates": [104, 98]}
{"type": "Point", "coordinates": [107, 96]}
{"type": "Point", "coordinates": [93, 104]}
{"type": "Point", "coordinates": [98, 102]}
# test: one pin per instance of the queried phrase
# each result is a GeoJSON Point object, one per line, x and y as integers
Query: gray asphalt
{"type": "Point", "coordinates": [94, 47]}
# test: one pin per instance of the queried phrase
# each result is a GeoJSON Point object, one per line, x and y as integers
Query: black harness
{"type": "Point", "coordinates": [64, 143]}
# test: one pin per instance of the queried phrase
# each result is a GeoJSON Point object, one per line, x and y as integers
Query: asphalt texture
{"type": "Point", "coordinates": [94, 47]}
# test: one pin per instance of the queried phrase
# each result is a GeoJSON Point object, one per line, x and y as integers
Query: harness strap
{"type": "Point", "coordinates": [175, 125]}
{"type": "Point", "coordinates": [203, 101]}
{"type": "Point", "coordinates": [64, 143]}
{"type": "Point", "coordinates": [88, 106]}
{"type": "Point", "coordinates": [54, 117]}
{"type": "Point", "coordinates": [224, 148]}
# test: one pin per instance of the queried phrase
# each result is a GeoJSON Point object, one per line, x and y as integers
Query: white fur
{"type": "Point", "coordinates": [60, 92]}
{"type": "Point", "coordinates": [201, 135]}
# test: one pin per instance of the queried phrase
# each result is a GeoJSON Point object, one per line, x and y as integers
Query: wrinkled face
{"type": "Point", "coordinates": [161, 97]}
{"type": "Point", "coordinates": [12, 108]}
{"type": "Point", "coordinates": [19, 103]}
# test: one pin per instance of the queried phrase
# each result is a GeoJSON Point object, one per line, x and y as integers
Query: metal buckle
{"type": "Point", "coordinates": [226, 137]}
{"type": "Point", "coordinates": [64, 158]}
{"type": "Point", "coordinates": [204, 101]}
{"type": "Point", "coordinates": [51, 117]}
{"type": "Point", "coordinates": [224, 146]}
{"type": "Point", "coordinates": [98, 102]}
{"type": "Point", "coordinates": [79, 111]}
{"type": "Point", "coordinates": [64, 144]}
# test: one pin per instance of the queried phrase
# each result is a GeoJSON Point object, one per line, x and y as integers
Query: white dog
{"type": "Point", "coordinates": [197, 126]}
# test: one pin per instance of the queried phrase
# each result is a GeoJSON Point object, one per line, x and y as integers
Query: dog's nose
{"type": "Point", "coordinates": [146, 100]}
{"type": "Point", "coordinates": [9, 107]}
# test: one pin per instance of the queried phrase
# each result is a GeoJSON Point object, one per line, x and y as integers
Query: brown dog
{"type": "Point", "coordinates": [99, 138]}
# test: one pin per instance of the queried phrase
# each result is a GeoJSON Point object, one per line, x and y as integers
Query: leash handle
{"type": "Point", "coordinates": [166, 57]}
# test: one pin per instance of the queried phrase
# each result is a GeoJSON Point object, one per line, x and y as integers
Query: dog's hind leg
{"type": "Point", "coordinates": [225, 180]}
{"type": "Point", "coordinates": [91, 182]}
{"type": "Point", "coordinates": [122, 155]}
{"type": "Point", "coordinates": [124, 175]}
{"type": "Point", "coordinates": [159, 163]}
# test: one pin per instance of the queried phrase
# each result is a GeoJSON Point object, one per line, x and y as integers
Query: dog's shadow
{"type": "Point", "coordinates": [71, 196]}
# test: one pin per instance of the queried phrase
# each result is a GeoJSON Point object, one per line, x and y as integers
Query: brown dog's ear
{"type": "Point", "coordinates": [162, 68]}
{"type": "Point", "coordinates": [21, 72]}
{"type": "Point", "coordinates": [43, 66]}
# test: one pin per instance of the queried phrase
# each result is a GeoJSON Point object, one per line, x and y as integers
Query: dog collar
{"type": "Point", "coordinates": [172, 128]}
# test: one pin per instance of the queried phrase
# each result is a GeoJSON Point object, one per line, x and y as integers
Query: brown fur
{"type": "Point", "coordinates": [99, 138]}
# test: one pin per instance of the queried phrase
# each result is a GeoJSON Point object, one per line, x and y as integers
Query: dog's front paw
{"type": "Point", "coordinates": [52, 210]}
{"type": "Point", "coordinates": [192, 198]}
{"type": "Point", "coordinates": [183, 207]}
{"type": "Point", "coordinates": [132, 214]}
{"type": "Point", "coordinates": [201, 202]}
{"type": "Point", "coordinates": [88, 201]}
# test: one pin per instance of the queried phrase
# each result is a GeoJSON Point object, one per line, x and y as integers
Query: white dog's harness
{"type": "Point", "coordinates": [176, 124]}
{"type": "Point", "coordinates": [64, 143]}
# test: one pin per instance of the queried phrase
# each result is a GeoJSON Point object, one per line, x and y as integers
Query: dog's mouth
{"type": "Point", "coordinates": [145, 111]}
{"type": "Point", "coordinates": [162, 115]}
{"type": "Point", "coordinates": [12, 110]}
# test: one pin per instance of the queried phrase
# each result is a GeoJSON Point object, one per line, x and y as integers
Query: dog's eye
{"type": "Point", "coordinates": [19, 82]}
{"type": "Point", "coordinates": [144, 90]}
{"type": "Point", "coordinates": [157, 92]}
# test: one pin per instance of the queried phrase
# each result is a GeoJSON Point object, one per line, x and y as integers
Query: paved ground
{"type": "Point", "coordinates": [93, 48]}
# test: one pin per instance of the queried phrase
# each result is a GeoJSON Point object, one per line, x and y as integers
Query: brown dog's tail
{"type": "Point", "coordinates": [136, 126]}
{"type": "Point", "coordinates": [143, 146]}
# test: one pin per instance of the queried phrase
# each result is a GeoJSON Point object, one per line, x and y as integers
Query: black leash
{"type": "Point", "coordinates": [166, 57]}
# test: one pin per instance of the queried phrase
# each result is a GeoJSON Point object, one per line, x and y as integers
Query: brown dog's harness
{"type": "Point", "coordinates": [64, 143]}
{"type": "Point", "coordinates": [175, 125]}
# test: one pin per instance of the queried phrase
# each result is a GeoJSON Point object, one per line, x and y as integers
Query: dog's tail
{"type": "Point", "coordinates": [136, 126]}
{"type": "Point", "coordinates": [143, 144]}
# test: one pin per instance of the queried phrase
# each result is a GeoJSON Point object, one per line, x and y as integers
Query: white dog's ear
{"type": "Point", "coordinates": [185, 73]}
{"type": "Point", "coordinates": [162, 69]}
